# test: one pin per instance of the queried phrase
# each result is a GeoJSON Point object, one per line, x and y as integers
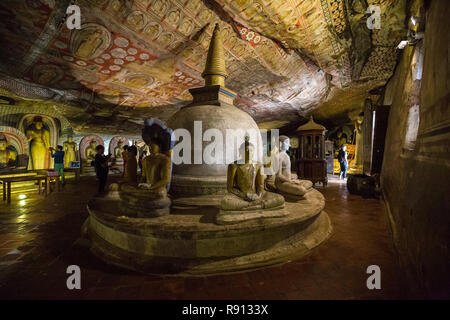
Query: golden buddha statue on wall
{"type": "Point", "coordinates": [8, 157]}
{"type": "Point", "coordinates": [70, 151]}
{"type": "Point", "coordinates": [90, 151]}
{"type": "Point", "coordinates": [39, 139]}
{"type": "Point", "coordinates": [118, 150]}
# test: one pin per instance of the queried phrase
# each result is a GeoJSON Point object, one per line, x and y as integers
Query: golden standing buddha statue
{"type": "Point", "coordinates": [39, 139]}
{"type": "Point", "coordinates": [70, 151]}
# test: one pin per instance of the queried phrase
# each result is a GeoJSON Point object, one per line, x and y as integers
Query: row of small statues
{"type": "Point", "coordinates": [247, 188]}
{"type": "Point", "coordinates": [90, 151]}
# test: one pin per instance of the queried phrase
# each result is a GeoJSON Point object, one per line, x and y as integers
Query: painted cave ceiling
{"type": "Point", "coordinates": [136, 59]}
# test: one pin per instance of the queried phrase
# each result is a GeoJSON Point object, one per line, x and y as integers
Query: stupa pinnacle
{"type": "Point", "coordinates": [215, 72]}
{"type": "Point", "coordinates": [214, 92]}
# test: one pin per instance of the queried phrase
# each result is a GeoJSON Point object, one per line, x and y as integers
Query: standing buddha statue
{"type": "Point", "coordinates": [39, 139]}
{"type": "Point", "coordinates": [70, 151]}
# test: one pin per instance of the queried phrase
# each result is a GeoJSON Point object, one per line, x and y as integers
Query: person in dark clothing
{"type": "Point", "coordinates": [142, 156]}
{"type": "Point", "coordinates": [342, 157]}
{"type": "Point", "coordinates": [59, 161]}
{"type": "Point", "coordinates": [125, 158]}
{"type": "Point", "coordinates": [101, 167]}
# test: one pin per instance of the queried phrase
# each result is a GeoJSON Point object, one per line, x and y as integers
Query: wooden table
{"type": "Point", "coordinates": [7, 184]}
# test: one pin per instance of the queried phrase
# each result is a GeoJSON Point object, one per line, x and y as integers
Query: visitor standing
{"type": "Point", "coordinates": [101, 167]}
{"type": "Point", "coordinates": [132, 164]}
{"type": "Point", "coordinates": [342, 157]}
{"type": "Point", "coordinates": [125, 158]}
{"type": "Point", "coordinates": [58, 155]}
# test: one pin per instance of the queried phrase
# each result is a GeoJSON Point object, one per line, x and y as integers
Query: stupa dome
{"type": "Point", "coordinates": [212, 105]}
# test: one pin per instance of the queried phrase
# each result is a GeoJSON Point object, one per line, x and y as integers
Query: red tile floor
{"type": "Point", "coordinates": [39, 240]}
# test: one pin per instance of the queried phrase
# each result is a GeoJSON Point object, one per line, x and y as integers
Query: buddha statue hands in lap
{"type": "Point", "coordinates": [245, 185]}
{"type": "Point", "coordinates": [284, 182]}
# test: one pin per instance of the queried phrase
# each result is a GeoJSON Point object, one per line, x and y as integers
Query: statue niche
{"type": "Point", "coordinates": [246, 198]}
{"type": "Point", "coordinates": [38, 136]}
{"type": "Point", "coordinates": [149, 197]}
{"type": "Point", "coordinates": [291, 189]}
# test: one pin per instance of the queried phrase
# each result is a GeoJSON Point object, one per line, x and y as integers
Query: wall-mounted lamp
{"type": "Point", "coordinates": [413, 36]}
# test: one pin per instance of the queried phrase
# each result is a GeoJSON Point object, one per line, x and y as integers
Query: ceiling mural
{"type": "Point", "coordinates": [135, 59]}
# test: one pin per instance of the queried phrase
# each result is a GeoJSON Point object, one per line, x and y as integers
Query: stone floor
{"type": "Point", "coordinates": [39, 239]}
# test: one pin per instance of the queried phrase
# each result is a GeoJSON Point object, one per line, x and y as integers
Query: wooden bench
{"type": "Point", "coordinates": [7, 184]}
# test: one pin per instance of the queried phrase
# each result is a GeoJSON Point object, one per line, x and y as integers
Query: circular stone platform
{"type": "Point", "coordinates": [190, 242]}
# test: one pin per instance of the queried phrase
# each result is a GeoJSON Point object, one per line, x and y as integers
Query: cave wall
{"type": "Point", "coordinates": [415, 178]}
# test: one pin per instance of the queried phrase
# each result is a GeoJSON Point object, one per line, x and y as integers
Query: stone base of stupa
{"type": "Point", "coordinates": [195, 185]}
{"type": "Point", "coordinates": [190, 242]}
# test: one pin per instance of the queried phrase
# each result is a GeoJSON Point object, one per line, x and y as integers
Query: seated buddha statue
{"type": "Point", "coordinates": [246, 194]}
{"type": "Point", "coordinates": [118, 153]}
{"type": "Point", "coordinates": [90, 151]}
{"type": "Point", "coordinates": [149, 197]}
{"type": "Point", "coordinates": [8, 157]}
{"type": "Point", "coordinates": [291, 189]}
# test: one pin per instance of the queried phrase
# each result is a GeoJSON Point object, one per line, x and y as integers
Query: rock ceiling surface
{"type": "Point", "coordinates": [136, 59]}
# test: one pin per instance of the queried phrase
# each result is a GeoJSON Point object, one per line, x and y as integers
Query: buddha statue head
{"type": "Point", "coordinates": [38, 124]}
{"type": "Point", "coordinates": [285, 143]}
{"type": "Point", "coordinates": [155, 146]}
{"type": "Point", "coordinates": [157, 136]}
{"type": "Point", "coordinates": [93, 144]}
{"type": "Point", "coordinates": [70, 139]}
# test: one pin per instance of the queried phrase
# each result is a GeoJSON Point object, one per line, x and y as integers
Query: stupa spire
{"type": "Point", "coordinates": [215, 72]}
